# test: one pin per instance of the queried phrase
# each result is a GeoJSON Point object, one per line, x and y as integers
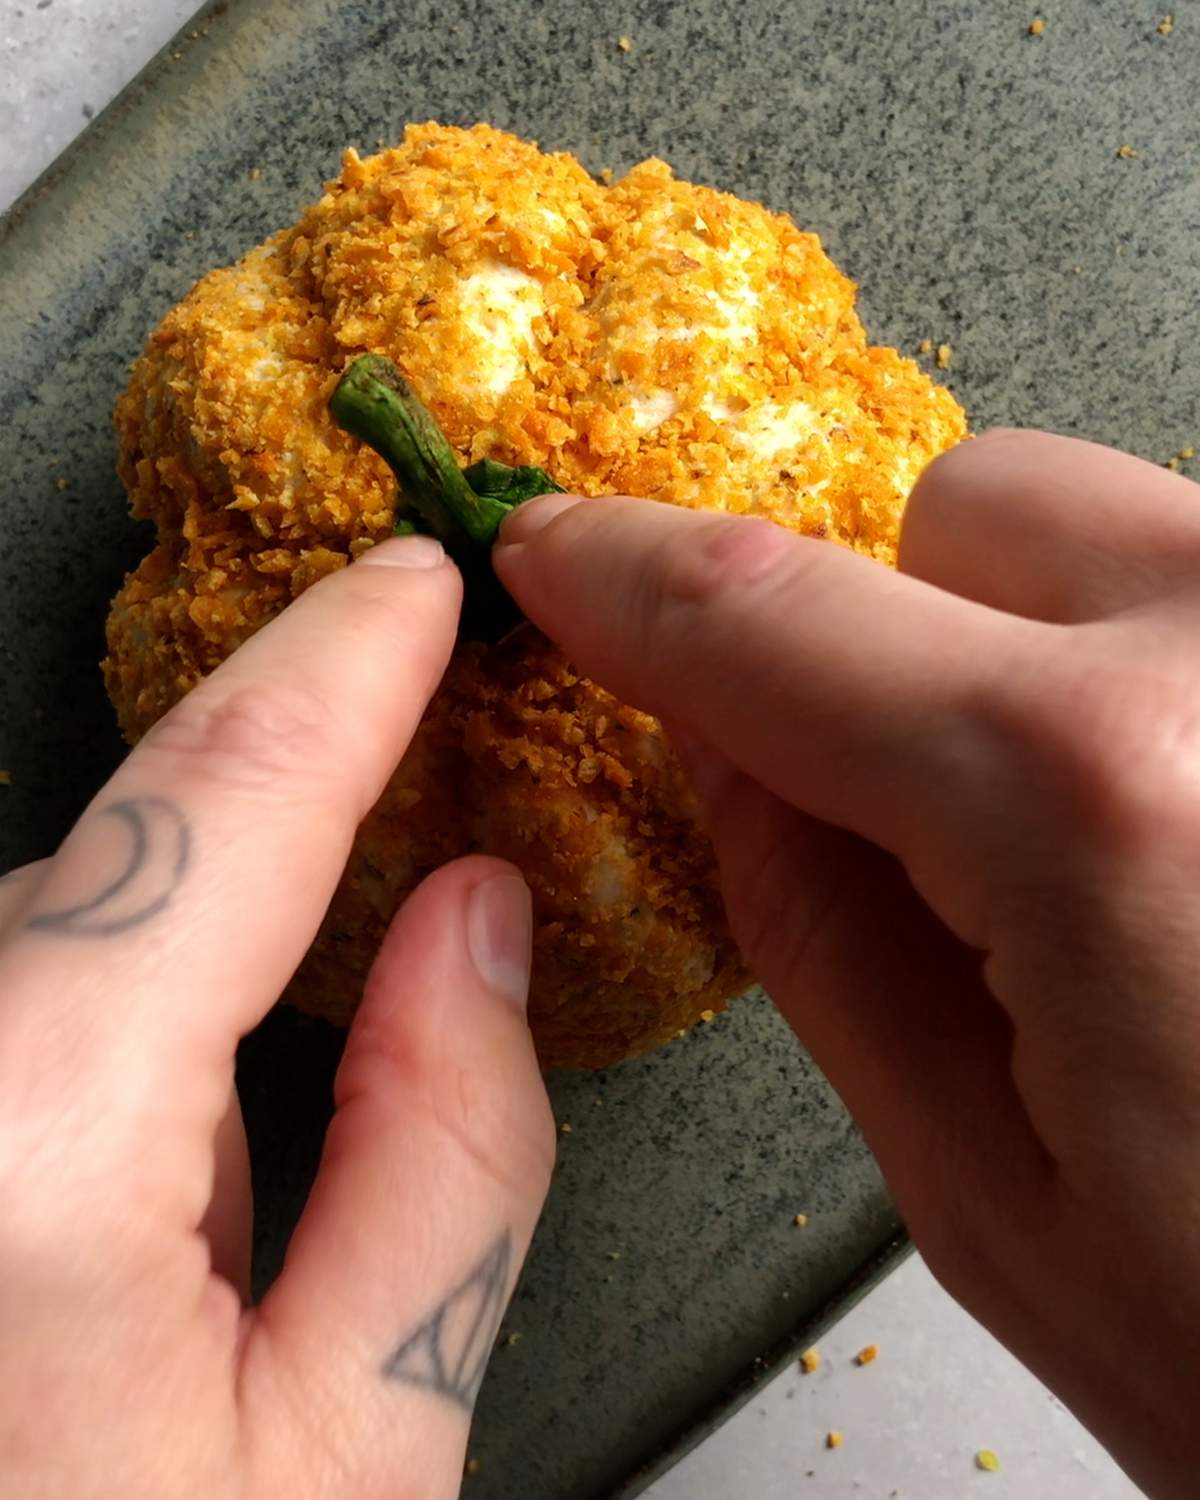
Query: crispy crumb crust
{"type": "Point", "coordinates": [651, 337]}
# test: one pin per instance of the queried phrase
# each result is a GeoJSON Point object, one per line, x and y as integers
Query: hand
{"type": "Point", "coordinates": [957, 814]}
{"type": "Point", "coordinates": [130, 964]}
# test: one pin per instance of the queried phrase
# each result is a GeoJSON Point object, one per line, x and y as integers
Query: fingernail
{"type": "Point", "coordinates": [406, 552]}
{"type": "Point", "coordinates": [524, 523]}
{"type": "Point", "coordinates": [499, 935]}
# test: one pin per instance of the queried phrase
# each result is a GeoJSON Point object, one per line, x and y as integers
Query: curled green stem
{"type": "Point", "coordinates": [463, 508]}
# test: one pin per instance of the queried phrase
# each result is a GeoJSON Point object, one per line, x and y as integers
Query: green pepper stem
{"type": "Point", "coordinates": [463, 509]}
{"type": "Point", "coordinates": [375, 402]}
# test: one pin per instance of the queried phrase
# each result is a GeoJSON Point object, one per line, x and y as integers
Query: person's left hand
{"type": "Point", "coordinates": [130, 965]}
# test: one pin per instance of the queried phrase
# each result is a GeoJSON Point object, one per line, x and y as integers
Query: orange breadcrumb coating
{"type": "Point", "coordinates": [651, 337]}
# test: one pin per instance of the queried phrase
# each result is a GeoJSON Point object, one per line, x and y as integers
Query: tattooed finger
{"type": "Point", "coordinates": [448, 1351]}
{"type": "Point", "coordinates": [435, 1168]}
{"type": "Point", "coordinates": [181, 903]}
{"type": "Point", "coordinates": [155, 864]}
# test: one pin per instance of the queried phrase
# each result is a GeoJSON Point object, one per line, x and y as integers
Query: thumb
{"type": "Point", "coordinates": [434, 1172]}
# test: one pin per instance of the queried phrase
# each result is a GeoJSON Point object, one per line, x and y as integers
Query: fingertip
{"type": "Point", "coordinates": [406, 552]}
{"type": "Point", "coordinates": [526, 521]}
{"type": "Point", "coordinates": [470, 919]}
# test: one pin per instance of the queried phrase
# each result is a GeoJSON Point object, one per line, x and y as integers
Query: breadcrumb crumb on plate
{"type": "Point", "coordinates": [647, 336]}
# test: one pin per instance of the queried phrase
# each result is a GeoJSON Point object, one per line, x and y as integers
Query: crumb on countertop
{"type": "Point", "coordinates": [472, 1466]}
{"type": "Point", "coordinates": [255, 173]}
{"type": "Point", "coordinates": [867, 1356]}
{"type": "Point", "coordinates": [1166, 26]}
{"type": "Point", "coordinates": [925, 346]}
{"type": "Point", "coordinates": [625, 43]}
{"type": "Point", "coordinates": [614, 1255]}
{"type": "Point", "coordinates": [986, 1460]}
{"type": "Point", "coordinates": [1172, 463]}
{"type": "Point", "coordinates": [944, 355]}
{"type": "Point", "coordinates": [800, 1221]}
{"type": "Point", "coordinates": [707, 1015]}
{"type": "Point", "coordinates": [1188, 452]}
{"type": "Point", "coordinates": [513, 1338]}
{"type": "Point", "coordinates": [810, 1361]}
{"type": "Point", "coordinates": [1125, 152]}
{"type": "Point", "coordinates": [565, 1128]}
{"type": "Point", "coordinates": [833, 1439]}
{"type": "Point", "coordinates": [1037, 26]}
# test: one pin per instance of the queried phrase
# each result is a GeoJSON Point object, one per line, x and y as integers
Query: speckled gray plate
{"type": "Point", "coordinates": [966, 173]}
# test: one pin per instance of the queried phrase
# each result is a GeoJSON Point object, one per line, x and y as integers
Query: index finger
{"type": "Point", "coordinates": [180, 904]}
{"type": "Point", "coordinates": [844, 687]}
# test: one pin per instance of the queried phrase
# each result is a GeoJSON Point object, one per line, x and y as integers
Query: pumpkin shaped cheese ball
{"type": "Point", "coordinates": [650, 337]}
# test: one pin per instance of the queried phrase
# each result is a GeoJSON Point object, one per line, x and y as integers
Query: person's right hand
{"type": "Point", "coordinates": [957, 813]}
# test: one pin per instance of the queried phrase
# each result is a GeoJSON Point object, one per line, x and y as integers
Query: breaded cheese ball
{"type": "Point", "coordinates": [651, 337]}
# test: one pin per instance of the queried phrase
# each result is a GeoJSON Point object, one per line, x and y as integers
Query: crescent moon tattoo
{"type": "Point", "coordinates": [160, 846]}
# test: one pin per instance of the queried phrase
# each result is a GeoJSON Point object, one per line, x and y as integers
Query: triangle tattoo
{"type": "Point", "coordinates": [449, 1352]}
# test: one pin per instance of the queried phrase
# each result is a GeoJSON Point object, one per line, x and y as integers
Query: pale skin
{"type": "Point", "coordinates": [957, 812]}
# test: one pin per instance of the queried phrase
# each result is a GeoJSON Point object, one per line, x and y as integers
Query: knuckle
{"type": "Point", "coordinates": [705, 588]}
{"type": "Point", "coordinates": [511, 1145]}
{"type": "Point", "coordinates": [945, 477]}
{"type": "Point", "coordinates": [1115, 753]}
{"type": "Point", "coordinates": [498, 1130]}
{"type": "Point", "coordinates": [254, 737]}
{"type": "Point", "coordinates": [963, 470]}
{"type": "Point", "coordinates": [726, 557]}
